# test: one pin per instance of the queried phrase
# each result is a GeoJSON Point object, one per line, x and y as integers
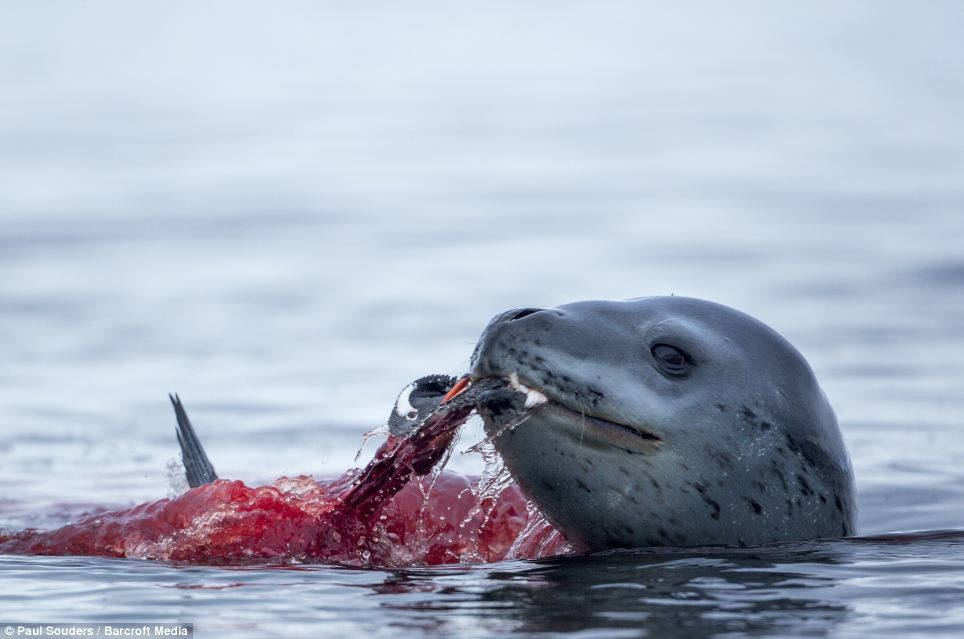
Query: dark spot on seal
{"type": "Point", "coordinates": [723, 460]}
{"type": "Point", "coordinates": [815, 456]}
{"type": "Point", "coordinates": [583, 485]}
{"type": "Point", "coordinates": [712, 503]}
{"type": "Point", "coordinates": [792, 444]}
{"type": "Point", "coordinates": [757, 508]}
{"type": "Point", "coordinates": [749, 414]}
{"type": "Point", "coordinates": [765, 425]}
{"type": "Point", "coordinates": [823, 499]}
{"type": "Point", "coordinates": [837, 503]}
{"type": "Point", "coordinates": [722, 408]}
{"type": "Point", "coordinates": [779, 473]}
{"type": "Point", "coordinates": [741, 543]}
{"type": "Point", "coordinates": [805, 489]}
{"type": "Point", "coordinates": [598, 394]}
{"type": "Point", "coordinates": [654, 483]}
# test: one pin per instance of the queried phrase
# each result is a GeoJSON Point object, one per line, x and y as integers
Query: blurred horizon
{"type": "Point", "coordinates": [287, 215]}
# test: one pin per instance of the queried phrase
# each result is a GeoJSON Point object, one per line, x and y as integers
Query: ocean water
{"type": "Point", "coordinates": [285, 214]}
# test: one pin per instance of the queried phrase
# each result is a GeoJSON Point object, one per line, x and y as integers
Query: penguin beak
{"type": "Point", "coordinates": [460, 387]}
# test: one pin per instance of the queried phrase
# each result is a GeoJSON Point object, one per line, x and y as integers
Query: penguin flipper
{"type": "Point", "coordinates": [197, 466]}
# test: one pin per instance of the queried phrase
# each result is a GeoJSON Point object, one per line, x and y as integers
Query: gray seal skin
{"type": "Point", "coordinates": [670, 421]}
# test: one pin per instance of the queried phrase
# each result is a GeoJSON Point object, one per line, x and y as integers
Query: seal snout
{"type": "Point", "coordinates": [509, 339]}
{"type": "Point", "coordinates": [537, 353]}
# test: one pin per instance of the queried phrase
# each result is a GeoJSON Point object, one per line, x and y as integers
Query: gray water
{"type": "Point", "coordinates": [286, 213]}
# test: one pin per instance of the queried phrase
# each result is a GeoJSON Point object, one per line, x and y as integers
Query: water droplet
{"type": "Point", "coordinates": [375, 432]}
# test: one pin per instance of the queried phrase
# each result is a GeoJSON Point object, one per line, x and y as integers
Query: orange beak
{"type": "Point", "coordinates": [456, 390]}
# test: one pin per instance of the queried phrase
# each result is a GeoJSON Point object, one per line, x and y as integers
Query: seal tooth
{"type": "Point", "coordinates": [535, 398]}
{"type": "Point", "coordinates": [515, 384]}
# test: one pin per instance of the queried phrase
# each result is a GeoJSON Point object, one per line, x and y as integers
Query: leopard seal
{"type": "Point", "coordinates": [664, 421]}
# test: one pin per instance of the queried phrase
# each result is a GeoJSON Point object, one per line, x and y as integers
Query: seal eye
{"type": "Point", "coordinates": [671, 360]}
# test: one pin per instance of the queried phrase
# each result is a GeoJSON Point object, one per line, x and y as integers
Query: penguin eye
{"type": "Point", "coordinates": [412, 414]}
{"type": "Point", "coordinates": [671, 360]}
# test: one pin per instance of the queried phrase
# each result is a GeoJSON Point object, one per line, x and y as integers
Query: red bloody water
{"type": "Point", "coordinates": [393, 513]}
{"type": "Point", "coordinates": [299, 519]}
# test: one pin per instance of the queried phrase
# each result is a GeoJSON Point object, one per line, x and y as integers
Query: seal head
{"type": "Point", "coordinates": [665, 421]}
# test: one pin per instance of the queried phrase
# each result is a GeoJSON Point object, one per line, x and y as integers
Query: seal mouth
{"type": "Point", "coordinates": [615, 433]}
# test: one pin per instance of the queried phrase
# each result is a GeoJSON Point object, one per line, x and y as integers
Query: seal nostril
{"type": "Point", "coordinates": [523, 312]}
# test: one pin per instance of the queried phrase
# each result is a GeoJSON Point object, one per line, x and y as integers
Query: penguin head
{"type": "Point", "coordinates": [416, 402]}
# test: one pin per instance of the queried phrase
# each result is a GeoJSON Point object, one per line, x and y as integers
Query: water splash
{"type": "Point", "coordinates": [378, 431]}
{"type": "Point", "coordinates": [176, 478]}
{"type": "Point", "coordinates": [538, 538]}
